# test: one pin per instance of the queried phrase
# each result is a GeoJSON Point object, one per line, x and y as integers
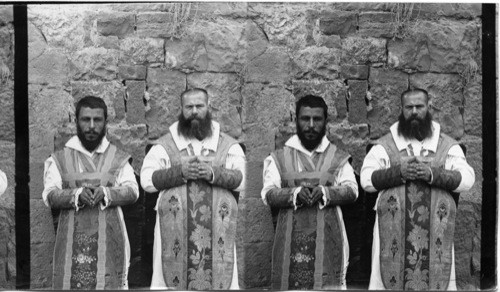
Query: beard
{"type": "Point", "coordinates": [90, 145]}
{"type": "Point", "coordinates": [414, 127]}
{"type": "Point", "coordinates": [195, 127]}
{"type": "Point", "coordinates": [310, 144]}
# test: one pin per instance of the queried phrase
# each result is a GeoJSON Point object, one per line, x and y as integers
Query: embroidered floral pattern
{"type": "Point", "coordinates": [393, 206]}
{"type": "Point", "coordinates": [418, 215]}
{"type": "Point", "coordinates": [177, 247]}
{"type": "Point", "coordinates": [200, 272]}
{"type": "Point", "coordinates": [84, 262]}
{"type": "Point", "coordinates": [223, 210]}
{"type": "Point", "coordinates": [302, 260]}
{"type": "Point", "coordinates": [174, 205]}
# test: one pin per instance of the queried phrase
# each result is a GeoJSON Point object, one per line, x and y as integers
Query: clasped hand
{"type": "Point", "coordinates": [414, 168]}
{"type": "Point", "coordinates": [91, 196]}
{"type": "Point", "coordinates": [308, 196]}
{"type": "Point", "coordinates": [193, 168]}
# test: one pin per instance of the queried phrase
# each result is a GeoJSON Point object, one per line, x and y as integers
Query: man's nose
{"type": "Point", "coordinates": [414, 110]}
{"type": "Point", "coordinates": [311, 123]}
{"type": "Point", "coordinates": [92, 125]}
{"type": "Point", "coordinates": [195, 111]}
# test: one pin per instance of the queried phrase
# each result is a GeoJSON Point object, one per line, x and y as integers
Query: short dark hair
{"type": "Point", "coordinates": [415, 89]}
{"type": "Point", "coordinates": [93, 102]}
{"type": "Point", "coordinates": [311, 101]}
{"type": "Point", "coordinates": [195, 89]}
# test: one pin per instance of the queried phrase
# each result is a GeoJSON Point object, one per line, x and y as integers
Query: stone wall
{"type": "Point", "coordinates": [255, 60]}
{"type": "Point", "coordinates": [7, 149]}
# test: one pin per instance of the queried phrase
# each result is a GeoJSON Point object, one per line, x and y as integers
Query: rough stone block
{"type": "Point", "coordinates": [474, 156]}
{"type": "Point", "coordinates": [7, 132]}
{"type": "Point", "coordinates": [6, 14]}
{"type": "Point", "coordinates": [225, 9]}
{"type": "Point", "coordinates": [352, 139]}
{"type": "Point", "coordinates": [164, 90]}
{"type": "Point", "coordinates": [187, 54]}
{"type": "Point", "coordinates": [131, 139]}
{"type": "Point", "coordinates": [50, 67]}
{"type": "Point", "coordinates": [358, 50]}
{"type": "Point", "coordinates": [468, 245]}
{"type": "Point", "coordinates": [6, 52]}
{"type": "Point", "coordinates": [112, 92]}
{"type": "Point", "coordinates": [334, 93]}
{"type": "Point", "coordinates": [285, 24]}
{"type": "Point", "coordinates": [258, 264]}
{"type": "Point", "coordinates": [386, 87]}
{"type": "Point", "coordinates": [450, 10]}
{"type": "Point", "coordinates": [115, 24]}
{"type": "Point", "coordinates": [156, 24]}
{"type": "Point", "coordinates": [95, 63]}
{"type": "Point", "coordinates": [256, 40]}
{"type": "Point", "coordinates": [354, 71]}
{"type": "Point", "coordinates": [132, 72]}
{"type": "Point", "coordinates": [141, 51]}
{"type": "Point", "coordinates": [377, 24]}
{"type": "Point", "coordinates": [259, 141]}
{"type": "Point", "coordinates": [274, 66]}
{"type": "Point", "coordinates": [445, 93]}
{"type": "Point", "coordinates": [254, 178]}
{"type": "Point", "coordinates": [49, 108]}
{"type": "Point", "coordinates": [473, 107]}
{"type": "Point", "coordinates": [36, 42]}
{"type": "Point", "coordinates": [362, 6]}
{"type": "Point", "coordinates": [66, 27]}
{"type": "Point", "coordinates": [338, 23]}
{"type": "Point", "coordinates": [330, 41]}
{"type": "Point", "coordinates": [224, 91]}
{"type": "Point", "coordinates": [357, 103]}
{"type": "Point", "coordinates": [42, 244]}
{"type": "Point", "coordinates": [225, 44]}
{"type": "Point", "coordinates": [136, 110]}
{"type": "Point", "coordinates": [317, 62]}
{"type": "Point", "coordinates": [259, 225]}
{"type": "Point", "coordinates": [409, 54]}
{"type": "Point", "coordinates": [107, 42]}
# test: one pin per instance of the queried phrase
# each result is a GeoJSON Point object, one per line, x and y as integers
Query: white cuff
{"type": "Point", "coordinates": [324, 199]}
{"type": "Point", "coordinates": [295, 193]}
{"type": "Point", "coordinates": [77, 196]}
{"type": "Point", "coordinates": [106, 198]}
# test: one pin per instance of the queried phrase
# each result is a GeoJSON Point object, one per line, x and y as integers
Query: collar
{"type": "Point", "coordinates": [208, 143]}
{"type": "Point", "coordinates": [74, 143]}
{"type": "Point", "coordinates": [294, 142]}
{"type": "Point", "coordinates": [428, 143]}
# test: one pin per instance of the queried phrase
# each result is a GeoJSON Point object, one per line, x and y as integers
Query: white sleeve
{"type": "Point", "coordinates": [346, 177]}
{"type": "Point", "coordinates": [51, 179]}
{"type": "Point", "coordinates": [157, 158]}
{"type": "Point", "coordinates": [455, 160]}
{"type": "Point", "coordinates": [3, 182]}
{"type": "Point", "coordinates": [376, 159]}
{"type": "Point", "coordinates": [126, 177]}
{"type": "Point", "coordinates": [270, 177]}
{"type": "Point", "coordinates": [236, 160]}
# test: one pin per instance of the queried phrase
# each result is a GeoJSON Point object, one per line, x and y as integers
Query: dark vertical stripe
{"type": "Point", "coordinates": [489, 199]}
{"type": "Point", "coordinates": [22, 195]}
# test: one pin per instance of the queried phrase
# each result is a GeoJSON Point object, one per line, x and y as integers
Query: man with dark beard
{"type": "Point", "coordinates": [197, 169]}
{"type": "Point", "coordinates": [307, 181]}
{"type": "Point", "coordinates": [88, 181]}
{"type": "Point", "coordinates": [418, 172]}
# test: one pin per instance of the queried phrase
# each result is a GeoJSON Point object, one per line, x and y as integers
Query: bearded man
{"type": "Point", "coordinates": [198, 171]}
{"type": "Point", "coordinates": [418, 171]}
{"type": "Point", "coordinates": [308, 180]}
{"type": "Point", "coordinates": [88, 181]}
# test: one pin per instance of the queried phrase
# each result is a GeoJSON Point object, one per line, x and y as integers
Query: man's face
{"type": "Point", "coordinates": [91, 127]}
{"type": "Point", "coordinates": [194, 105]}
{"type": "Point", "coordinates": [195, 120]}
{"type": "Point", "coordinates": [415, 106]}
{"type": "Point", "coordinates": [311, 124]}
{"type": "Point", "coordinates": [415, 121]}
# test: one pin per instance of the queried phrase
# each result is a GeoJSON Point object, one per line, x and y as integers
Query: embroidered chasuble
{"type": "Point", "coordinates": [416, 226]}
{"type": "Point", "coordinates": [308, 245]}
{"type": "Point", "coordinates": [90, 243]}
{"type": "Point", "coordinates": [198, 226]}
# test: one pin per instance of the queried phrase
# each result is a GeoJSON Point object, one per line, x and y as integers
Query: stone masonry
{"type": "Point", "coordinates": [7, 149]}
{"type": "Point", "coordinates": [255, 60]}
